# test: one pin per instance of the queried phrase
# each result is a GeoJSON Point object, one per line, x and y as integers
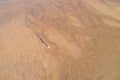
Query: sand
{"type": "Point", "coordinates": [59, 40]}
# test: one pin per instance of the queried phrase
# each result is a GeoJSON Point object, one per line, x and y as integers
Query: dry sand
{"type": "Point", "coordinates": [59, 40]}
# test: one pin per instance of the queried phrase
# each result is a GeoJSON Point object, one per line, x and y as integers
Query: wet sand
{"type": "Point", "coordinates": [60, 40]}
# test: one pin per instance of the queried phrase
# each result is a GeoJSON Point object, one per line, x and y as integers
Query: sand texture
{"type": "Point", "coordinates": [59, 39]}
